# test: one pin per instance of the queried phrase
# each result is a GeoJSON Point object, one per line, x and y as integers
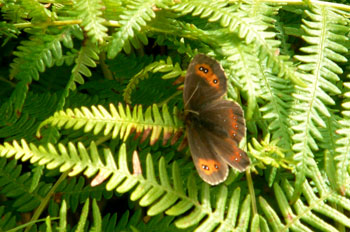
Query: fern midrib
{"type": "Point", "coordinates": [122, 123]}
{"type": "Point", "coordinates": [315, 80]}
{"type": "Point", "coordinates": [275, 104]}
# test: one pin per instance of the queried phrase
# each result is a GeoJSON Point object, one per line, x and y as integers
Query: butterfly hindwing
{"type": "Point", "coordinates": [210, 167]}
{"type": "Point", "coordinates": [229, 151]}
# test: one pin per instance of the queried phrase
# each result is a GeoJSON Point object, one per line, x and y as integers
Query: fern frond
{"type": "Point", "coordinates": [37, 11]}
{"type": "Point", "coordinates": [342, 156]}
{"type": "Point", "coordinates": [161, 196]}
{"type": "Point", "coordinates": [311, 213]}
{"type": "Point", "coordinates": [8, 31]}
{"type": "Point", "coordinates": [247, 69]}
{"type": "Point", "coordinates": [135, 16]}
{"type": "Point", "coordinates": [118, 122]}
{"type": "Point", "coordinates": [326, 34]}
{"type": "Point", "coordinates": [35, 109]}
{"type": "Point", "coordinates": [277, 94]}
{"type": "Point", "coordinates": [254, 30]}
{"type": "Point", "coordinates": [90, 12]}
{"type": "Point", "coordinates": [157, 66]}
{"type": "Point", "coordinates": [271, 216]}
{"type": "Point", "coordinates": [17, 186]}
{"type": "Point", "coordinates": [7, 221]}
{"type": "Point", "coordinates": [34, 56]}
{"type": "Point", "coordinates": [293, 219]}
{"type": "Point", "coordinates": [268, 153]}
{"type": "Point", "coordinates": [317, 205]}
{"type": "Point", "coordinates": [86, 58]}
{"type": "Point", "coordinates": [75, 191]}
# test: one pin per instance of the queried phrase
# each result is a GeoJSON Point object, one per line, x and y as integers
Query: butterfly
{"type": "Point", "coordinates": [214, 126]}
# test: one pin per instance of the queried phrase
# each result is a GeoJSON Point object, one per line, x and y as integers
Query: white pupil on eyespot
{"type": "Point", "coordinates": [203, 69]}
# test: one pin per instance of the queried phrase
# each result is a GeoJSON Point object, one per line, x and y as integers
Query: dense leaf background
{"type": "Point", "coordinates": [91, 125]}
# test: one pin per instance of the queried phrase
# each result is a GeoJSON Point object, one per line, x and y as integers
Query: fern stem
{"type": "Point", "coordinates": [251, 191]}
{"type": "Point", "coordinates": [107, 73]}
{"type": "Point", "coordinates": [110, 23]}
{"type": "Point", "coordinates": [8, 82]}
{"type": "Point", "coordinates": [45, 201]}
{"type": "Point", "coordinates": [53, 23]}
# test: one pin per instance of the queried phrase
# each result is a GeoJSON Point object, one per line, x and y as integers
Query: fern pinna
{"type": "Point", "coordinates": [92, 115]}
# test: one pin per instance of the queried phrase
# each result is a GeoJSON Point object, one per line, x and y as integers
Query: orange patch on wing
{"type": "Point", "coordinates": [234, 124]}
{"type": "Point", "coordinates": [236, 156]}
{"type": "Point", "coordinates": [206, 72]}
{"type": "Point", "coordinates": [209, 166]}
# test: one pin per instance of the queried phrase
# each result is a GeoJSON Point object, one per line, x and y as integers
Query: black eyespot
{"type": "Point", "coordinates": [201, 68]}
{"type": "Point", "coordinates": [215, 81]}
{"type": "Point", "coordinates": [205, 70]}
{"type": "Point", "coordinates": [205, 167]}
{"type": "Point", "coordinates": [216, 166]}
{"type": "Point", "coordinates": [234, 134]}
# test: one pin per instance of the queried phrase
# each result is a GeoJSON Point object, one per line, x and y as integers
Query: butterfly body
{"type": "Point", "coordinates": [214, 126]}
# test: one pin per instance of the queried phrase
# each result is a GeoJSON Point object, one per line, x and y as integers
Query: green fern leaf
{"type": "Point", "coordinates": [85, 59]}
{"type": "Point", "coordinates": [157, 66]}
{"type": "Point", "coordinates": [90, 12]}
{"type": "Point", "coordinates": [136, 16]}
{"type": "Point", "coordinates": [342, 156]}
{"type": "Point", "coordinates": [8, 221]}
{"type": "Point", "coordinates": [319, 71]}
{"type": "Point", "coordinates": [118, 122]}
{"type": "Point", "coordinates": [237, 19]}
{"type": "Point", "coordinates": [148, 190]}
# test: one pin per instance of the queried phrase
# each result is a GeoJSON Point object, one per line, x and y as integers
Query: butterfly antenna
{"type": "Point", "coordinates": [195, 90]}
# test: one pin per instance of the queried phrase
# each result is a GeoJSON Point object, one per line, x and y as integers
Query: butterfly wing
{"type": "Point", "coordinates": [205, 81]}
{"type": "Point", "coordinates": [210, 167]}
{"type": "Point", "coordinates": [214, 126]}
{"type": "Point", "coordinates": [223, 122]}
{"type": "Point", "coordinates": [229, 151]}
{"type": "Point", "coordinates": [224, 118]}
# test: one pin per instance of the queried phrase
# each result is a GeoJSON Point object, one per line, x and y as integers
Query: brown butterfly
{"type": "Point", "coordinates": [214, 126]}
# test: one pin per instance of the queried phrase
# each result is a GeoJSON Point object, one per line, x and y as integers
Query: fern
{"type": "Point", "coordinates": [101, 139]}
{"type": "Point", "coordinates": [119, 122]}
{"type": "Point", "coordinates": [310, 102]}
{"type": "Point", "coordinates": [85, 59]}
{"type": "Point", "coordinates": [89, 12]}
{"type": "Point", "coordinates": [8, 221]}
{"type": "Point", "coordinates": [159, 195]}
{"type": "Point", "coordinates": [247, 28]}
{"type": "Point", "coordinates": [161, 66]}
{"type": "Point", "coordinates": [16, 187]}
{"type": "Point", "coordinates": [137, 15]}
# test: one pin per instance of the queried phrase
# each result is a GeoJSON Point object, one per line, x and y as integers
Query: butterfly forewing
{"type": "Point", "coordinates": [205, 81]}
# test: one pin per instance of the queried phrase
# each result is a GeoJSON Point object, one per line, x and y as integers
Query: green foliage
{"type": "Point", "coordinates": [92, 126]}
